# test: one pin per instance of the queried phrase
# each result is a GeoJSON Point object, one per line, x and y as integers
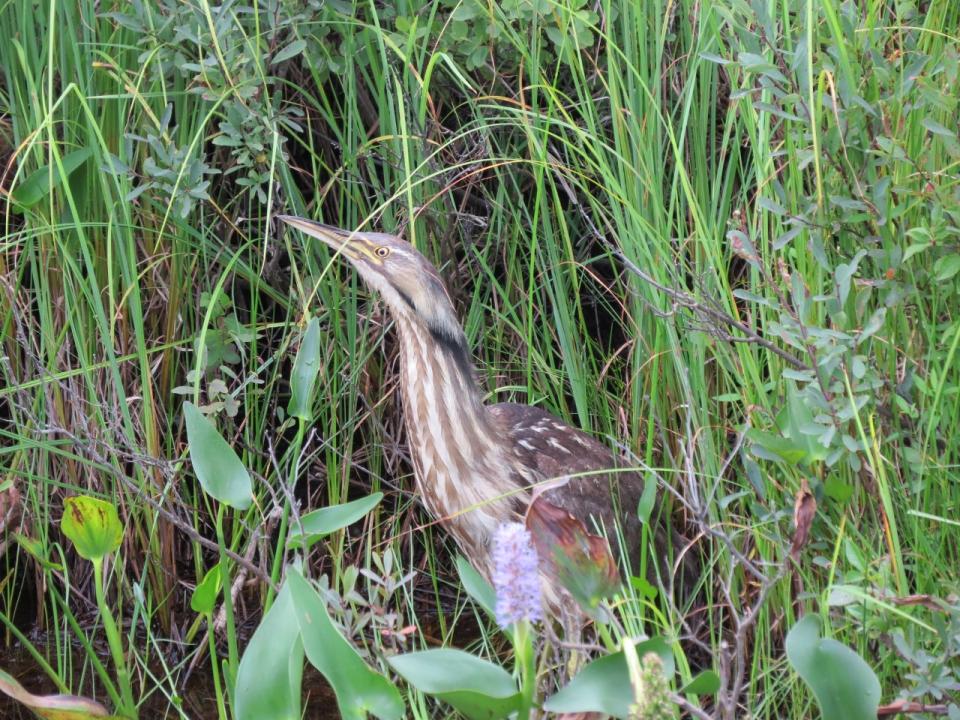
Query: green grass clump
{"type": "Point", "coordinates": [724, 237]}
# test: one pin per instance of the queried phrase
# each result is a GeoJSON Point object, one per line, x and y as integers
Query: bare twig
{"type": "Point", "coordinates": [684, 299]}
{"type": "Point", "coordinates": [905, 706]}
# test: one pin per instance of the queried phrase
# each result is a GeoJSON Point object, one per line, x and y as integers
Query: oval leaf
{"type": "Point", "coordinates": [268, 680]}
{"type": "Point", "coordinates": [36, 187]}
{"type": "Point", "coordinates": [648, 498]}
{"type": "Point", "coordinates": [290, 51]}
{"type": "Point", "coordinates": [604, 685]}
{"type": "Point", "coordinates": [844, 685]}
{"type": "Point", "coordinates": [315, 525]}
{"type": "Point", "coordinates": [219, 470]}
{"type": "Point", "coordinates": [92, 525]}
{"type": "Point", "coordinates": [359, 689]}
{"type": "Point", "coordinates": [476, 586]}
{"type": "Point", "coordinates": [706, 683]}
{"type": "Point", "coordinates": [306, 366]}
{"type": "Point", "coordinates": [204, 597]}
{"type": "Point", "coordinates": [475, 687]}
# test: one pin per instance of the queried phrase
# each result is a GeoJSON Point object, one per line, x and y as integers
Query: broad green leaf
{"type": "Point", "coordinates": [604, 686]}
{"type": "Point", "coordinates": [306, 366]}
{"type": "Point", "coordinates": [915, 249]}
{"type": "Point", "coordinates": [290, 51]}
{"type": "Point", "coordinates": [946, 267]}
{"type": "Point", "coordinates": [359, 689]}
{"type": "Point", "coordinates": [759, 64]}
{"type": "Point", "coordinates": [92, 525]}
{"type": "Point", "coordinates": [40, 183]}
{"type": "Point", "coordinates": [774, 447]}
{"type": "Point", "coordinates": [795, 445]}
{"type": "Point", "coordinates": [475, 687]}
{"type": "Point", "coordinates": [315, 525]}
{"type": "Point", "coordinates": [844, 685]}
{"type": "Point", "coordinates": [219, 470]}
{"type": "Point", "coordinates": [837, 489]}
{"type": "Point", "coordinates": [268, 680]}
{"type": "Point", "coordinates": [476, 586]}
{"type": "Point", "coordinates": [204, 597]}
{"type": "Point", "coordinates": [705, 683]}
{"type": "Point", "coordinates": [54, 707]}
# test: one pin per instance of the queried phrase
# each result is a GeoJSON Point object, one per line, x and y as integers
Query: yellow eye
{"type": "Point", "coordinates": [383, 251]}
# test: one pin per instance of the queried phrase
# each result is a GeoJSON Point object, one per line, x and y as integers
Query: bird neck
{"type": "Point", "coordinates": [457, 450]}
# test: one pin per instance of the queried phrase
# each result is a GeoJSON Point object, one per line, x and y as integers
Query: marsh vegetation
{"type": "Point", "coordinates": [722, 238]}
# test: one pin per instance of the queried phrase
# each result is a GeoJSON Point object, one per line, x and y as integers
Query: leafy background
{"type": "Point", "coordinates": [724, 237]}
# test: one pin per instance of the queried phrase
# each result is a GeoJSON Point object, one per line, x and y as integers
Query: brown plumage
{"type": "Point", "coordinates": [475, 464]}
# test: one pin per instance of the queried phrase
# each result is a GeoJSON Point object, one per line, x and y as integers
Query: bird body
{"type": "Point", "coordinates": [477, 465]}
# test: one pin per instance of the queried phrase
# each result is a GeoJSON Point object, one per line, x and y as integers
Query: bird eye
{"type": "Point", "coordinates": [383, 251]}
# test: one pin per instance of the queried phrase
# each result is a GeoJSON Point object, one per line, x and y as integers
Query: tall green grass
{"type": "Point", "coordinates": [531, 177]}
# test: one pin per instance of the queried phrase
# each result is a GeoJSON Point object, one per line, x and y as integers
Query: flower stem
{"type": "Point", "coordinates": [526, 665]}
{"type": "Point", "coordinates": [233, 655]}
{"type": "Point", "coordinates": [114, 640]}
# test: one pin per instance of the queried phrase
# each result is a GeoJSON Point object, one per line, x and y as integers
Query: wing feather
{"type": "Point", "coordinates": [569, 464]}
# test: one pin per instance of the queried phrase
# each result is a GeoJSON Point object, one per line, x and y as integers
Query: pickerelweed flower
{"type": "Point", "coordinates": [516, 577]}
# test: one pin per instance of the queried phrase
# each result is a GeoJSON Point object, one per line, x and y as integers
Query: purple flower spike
{"type": "Point", "coordinates": [516, 577]}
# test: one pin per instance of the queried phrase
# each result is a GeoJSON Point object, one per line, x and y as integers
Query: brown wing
{"type": "Point", "coordinates": [552, 450]}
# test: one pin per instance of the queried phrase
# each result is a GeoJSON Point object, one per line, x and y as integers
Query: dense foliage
{"type": "Point", "coordinates": [724, 237]}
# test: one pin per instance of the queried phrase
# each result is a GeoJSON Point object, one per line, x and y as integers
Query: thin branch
{"type": "Point", "coordinates": [689, 301]}
{"type": "Point", "coordinates": [905, 706]}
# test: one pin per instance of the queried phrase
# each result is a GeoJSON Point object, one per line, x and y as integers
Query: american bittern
{"type": "Point", "coordinates": [474, 463]}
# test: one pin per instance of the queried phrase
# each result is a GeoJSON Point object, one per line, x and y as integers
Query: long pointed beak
{"type": "Point", "coordinates": [340, 240]}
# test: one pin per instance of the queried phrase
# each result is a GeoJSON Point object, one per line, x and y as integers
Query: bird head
{"type": "Point", "coordinates": [409, 284]}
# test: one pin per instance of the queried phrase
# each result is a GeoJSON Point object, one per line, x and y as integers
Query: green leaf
{"type": "Point", "coordinates": [315, 525]}
{"type": "Point", "coordinates": [837, 489]}
{"type": "Point", "coordinates": [476, 586]}
{"type": "Point", "coordinates": [706, 683]}
{"type": "Point", "coordinates": [37, 550]}
{"type": "Point", "coordinates": [644, 587]}
{"type": "Point", "coordinates": [54, 707]}
{"type": "Point", "coordinates": [844, 685]}
{"type": "Point", "coordinates": [714, 58]}
{"type": "Point", "coordinates": [474, 687]}
{"type": "Point", "coordinates": [604, 686]}
{"type": "Point", "coordinates": [204, 597]}
{"type": "Point", "coordinates": [305, 370]}
{"type": "Point", "coordinates": [648, 498]}
{"type": "Point", "coordinates": [915, 249]}
{"type": "Point", "coordinates": [759, 64]}
{"type": "Point", "coordinates": [219, 470]}
{"type": "Point", "coordinates": [92, 525]}
{"type": "Point", "coordinates": [290, 51]}
{"type": "Point", "coordinates": [936, 128]}
{"type": "Point", "coordinates": [463, 12]}
{"type": "Point", "coordinates": [775, 447]}
{"type": "Point", "coordinates": [359, 689]}
{"type": "Point", "coordinates": [271, 669]}
{"type": "Point", "coordinates": [795, 445]}
{"type": "Point", "coordinates": [40, 183]}
{"type": "Point", "coordinates": [946, 267]}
